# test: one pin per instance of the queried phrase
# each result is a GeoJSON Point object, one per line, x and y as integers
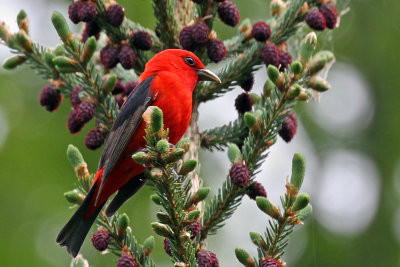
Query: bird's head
{"type": "Point", "coordinates": [181, 62]}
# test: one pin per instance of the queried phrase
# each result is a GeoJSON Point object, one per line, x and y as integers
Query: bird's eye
{"type": "Point", "coordinates": [189, 61]}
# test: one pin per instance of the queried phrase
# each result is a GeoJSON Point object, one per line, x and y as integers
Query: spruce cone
{"type": "Point", "coordinates": [239, 174]}
{"type": "Point", "coordinates": [50, 98]}
{"type": "Point", "coordinates": [289, 128]}
{"type": "Point", "coordinates": [101, 239]}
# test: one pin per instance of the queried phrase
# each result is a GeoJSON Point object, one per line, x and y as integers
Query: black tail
{"type": "Point", "coordinates": [74, 232]}
{"type": "Point", "coordinates": [125, 193]}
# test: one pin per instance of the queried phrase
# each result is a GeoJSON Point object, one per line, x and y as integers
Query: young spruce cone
{"type": "Point", "coordinates": [85, 112]}
{"type": "Point", "coordinates": [216, 50]}
{"type": "Point", "coordinates": [240, 175]}
{"type": "Point", "coordinates": [270, 55]}
{"type": "Point", "coordinates": [285, 60]}
{"type": "Point", "coordinates": [126, 260]}
{"type": "Point", "coordinates": [73, 10]}
{"type": "Point", "coordinates": [94, 139]}
{"type": "Point", "coordinates": [142, 40]}
{"type": "Point", "coordinates": [315, 20]}
{"type": "Point", "coordinates": [101, 239]}
{"type": "Point", "coordinates": [75, 100]}
{"type": "Point", "coordinates": [247, 84]}
{"type": "Point", "coordinates": [127, 57]}
{"type": "Point", "coordinates": [330, 13]}
{"type": "Point", "coordinates": [50, 98]}
{"type": "Point", "coordinates": [195, 229]}
{"type": "Point", "coordinates": [167, 247]}
{"type": "Point", "coordinates": [91, 29]}
{"type": "Point", "coordinates": [109, 56]}
{"type": "Point", "coordinates": [261, 31]}
{"type": "Point", "coordinates": [200, 32]}
{"type": "Point", "coordinates": [256, 189]}
{"type": "Point", "coordinates": [87, 12]}
{"type": "Point", "coordinates": [115, 15]}
{"type": "Point", "coordinates": [244, 103]}
{"type": "Point", "coordinates": [74, 126]}
{"type": "Point", "coordinates": [289, 128]}
{"type": "Point", "coordinates": [186, 39]}
{"type": "Point", "coordinates": [269, 263]}
{"type": "Point", "coordinates": [206, 258]}
{"type": "Point", "coordinates": [229, 13]}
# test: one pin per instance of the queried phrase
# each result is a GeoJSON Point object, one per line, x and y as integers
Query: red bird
{"type": "Point", "coordinates": [168, 82]}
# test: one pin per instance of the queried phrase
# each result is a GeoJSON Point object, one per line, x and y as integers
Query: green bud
{"type": "Point", "coordinates": [318, 84]}
{"type": "Point", "coordinates": [123, 222]}
{"type": "Point", "coordinates": [176, 154]}
{"type": "Point", "coordinates": [319, 61]}
{"type": "Point", "coordinates": [162, 229]}
{"type": "Point", "coordinates": [14, 62]}
{"type": "Point", "coordinates": [74, 156]}
{"type": "Point", "coordinates": [304, 95]}
{"type": "Point", "coordinates": [259, 113]}
{"type": "Point", "coordinates": [48, 58]}
{"type": "Point", "coordinates": [79, 261]}
{"type": "Point", "coordinates": [65, 62]}
{"type": "Point", "coordinates": [59, 51]}
{"type": "Point", "coordinates": [301, 202]}
{"type": "Point", "coordinates": [298, 170]}
{"type": "Point", "coordinates": [23, 40]}
{"type": "Point", "coordinates": [269, 86]}
{"type": "Point", "coordinates": [162, 146]}
{"type": "Point", "coordinates": [257, 239]}
{"type": "Point", "coordinates": [148, 245]}
{"type": "Point", "coordinates": [294, 91]}
{"type": "Point", "coordinates": [156, 199]}
{"type": "Point", "coordinates": [273, 73]}
{"type": "Point", "coordinates": [21, 16]}
{"type": "Point", "coordinates": [188, 166]}
{"type": "Point", "coordinates": [192, 216]}
{"type": "Point", "coordinates": [89, 49]}
{"type": "Point", "coordinates": [245, 26]}
{"type": "Point", "coordinates": [307, 47]}
{"type": "Point", "coordinates": [256, 98]}
{"type": "Point", "coordinates": [304, 213]}
{"type": "Point", "coordinates": [61, 26]}
{"type": "Point", "coordinates": [5, 33]}
{"type": "Point", "coordinates": [163, 217]}
{"type": "Point", "coordinates": [74, 197]}
{"type": "Point", "coordinates": [249, 119]}
{"type": "Point", "coordinates": [184, 237]}
{"type": "Point", "coordinates": [22, 21]}
{"type": "Point", "coordinates": [109, 83]}
{"type": "Point", "coordinates": [266, 206]}
{"type": "Point", "coordinates": [184, 143]}
{"type": "Point", "coordinates": [234, 153]}
{"type": "Point", "coordinates": [244, 257]}
{"type": "Point", "coordinates": [200, 195]}
{"type": "Point", "coordinates": [156, 173]}
{"type": "Point", "coordinates": [142, 158]}
{"type": "Point", "coordinates": [157, 120]}
{"type": "Point", "coordinates": [296, 67]}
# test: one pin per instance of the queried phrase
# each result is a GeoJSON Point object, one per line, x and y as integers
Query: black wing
{"type": "Point", "coordinates": [128, 119]}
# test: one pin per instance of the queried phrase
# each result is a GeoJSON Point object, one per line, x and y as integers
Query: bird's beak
{"type": "Point", "coordinates": [207, 75]}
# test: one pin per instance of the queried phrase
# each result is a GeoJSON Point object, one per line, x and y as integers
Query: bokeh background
{"type": "Point", "coordinates": [350, 139]}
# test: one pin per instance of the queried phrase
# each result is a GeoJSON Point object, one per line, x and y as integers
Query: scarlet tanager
{"type": "Point", "coordinates": [168, 82]}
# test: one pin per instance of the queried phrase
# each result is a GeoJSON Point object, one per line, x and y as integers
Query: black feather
{"type": "Point", "coordinates": [125, 125]}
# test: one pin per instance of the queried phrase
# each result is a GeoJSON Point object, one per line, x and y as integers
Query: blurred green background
{"type": "Point", "coordinates": [352, 137]}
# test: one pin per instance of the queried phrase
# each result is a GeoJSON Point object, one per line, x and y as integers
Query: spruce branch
{"type": "Point", "coordinates": [220, 137]}
{"type": "Point", "coordinates": [166, 22]}
{"type": "Point", "coordinates": [249, 60]}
